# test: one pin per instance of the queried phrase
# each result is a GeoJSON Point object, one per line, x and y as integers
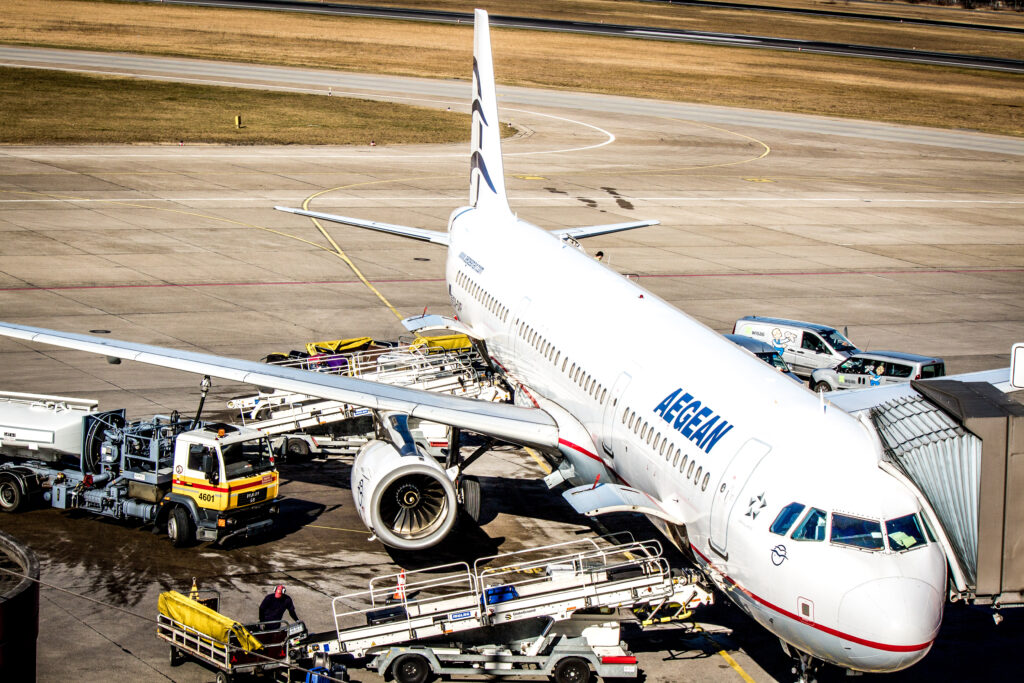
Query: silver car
{"type": "Point", "coordinates": [765, 352]}
{"type": "Point", "coordinates": [876, 368]}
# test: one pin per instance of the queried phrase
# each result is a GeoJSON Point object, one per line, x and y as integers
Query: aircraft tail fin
{"type": "Point", "coordinates": [487, 174]}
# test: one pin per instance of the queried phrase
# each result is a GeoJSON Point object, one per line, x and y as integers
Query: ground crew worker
{"type": "Point", "coordinates": [275, 605]}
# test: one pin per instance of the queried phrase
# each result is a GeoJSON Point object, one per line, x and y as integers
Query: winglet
{"type": "Point", "coordinates": [486, 174]}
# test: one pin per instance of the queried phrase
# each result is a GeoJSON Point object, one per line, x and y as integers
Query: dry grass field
{"type": "Point", "coordinates": [48, 107]}
{"type": "Point", "coordinates": [799, 82]}
{"type": "Point", "coordinates": [750, 22]}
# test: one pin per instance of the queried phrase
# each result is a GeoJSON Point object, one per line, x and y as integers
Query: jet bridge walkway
{"type": "Point", "coordinates": [552, 582]}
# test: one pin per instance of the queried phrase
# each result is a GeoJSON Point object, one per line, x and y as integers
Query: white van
{"type": "Point", "coordinates": [805, 346]}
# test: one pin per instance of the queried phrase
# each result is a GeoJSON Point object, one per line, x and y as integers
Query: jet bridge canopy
{"type": "Point", "coordinates": [962, 445]}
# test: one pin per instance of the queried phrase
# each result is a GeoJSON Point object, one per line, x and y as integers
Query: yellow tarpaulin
{"type": "Point", "coordinates": [203, 619]}
{"type": "Point", "coordinates": [448, 342]}
{"type": "Point", "coordinates": [338, 345]}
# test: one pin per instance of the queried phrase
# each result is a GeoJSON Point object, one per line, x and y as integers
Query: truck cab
{"type": "Point", "coordinates": [224, 484]}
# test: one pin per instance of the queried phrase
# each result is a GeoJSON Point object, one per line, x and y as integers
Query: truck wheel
{"type": "Point", "coordinates": [410, 669]}
{"type": "Point", "coordinates": [471, 497]}
{"type": "Point", "coordinates": [571, 670]}
{"type": "Point", "coordinates": [10, 495]}
{"type": "Point", "coordinates": [179, 527]}
{"type": "Point", "coordinates": [822, 387]}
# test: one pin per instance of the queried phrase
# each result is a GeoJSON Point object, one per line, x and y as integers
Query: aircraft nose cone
{"type": "Point", "coordinates": [896, 619]}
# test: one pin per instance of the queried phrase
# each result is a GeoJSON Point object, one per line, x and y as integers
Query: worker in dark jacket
{"type": "Point", "coordinates": [275, 605]}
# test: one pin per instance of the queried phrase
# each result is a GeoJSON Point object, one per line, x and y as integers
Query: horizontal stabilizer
{"type": "Point", "coordinates": [593, 500]}
{"type": "Point", "coordinates": [422, 234]}
{"type": "Point", "coordinates": [528, 426]}
{"type": "Point", "coordinates": [594, 230]}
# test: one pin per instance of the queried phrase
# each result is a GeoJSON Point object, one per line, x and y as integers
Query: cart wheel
{"type": "Point", "coordinates": [571, 670]}
{"type": "Point", "coordinates": [10, 495]}
{"type": "Point", "coordinates": [410, 669]}
{"type": "Point", "coordinates": [175, 656]}
{"type": "Point", "coordinates": [223, 677]}
{"type": "Point", "coordinates": [296, 449]}
{"type": "Point", "coordinates": [179, 527]}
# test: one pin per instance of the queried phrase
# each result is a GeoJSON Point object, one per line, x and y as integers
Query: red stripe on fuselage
{"type": "Point", "coordinates": [820, 627]}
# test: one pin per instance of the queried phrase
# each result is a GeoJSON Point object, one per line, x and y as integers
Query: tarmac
{"type": "Point", "coordinates": [913, 246]}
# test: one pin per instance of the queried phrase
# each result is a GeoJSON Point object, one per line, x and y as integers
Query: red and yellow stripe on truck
{"type": "Point", "coordinates": [233, 495]}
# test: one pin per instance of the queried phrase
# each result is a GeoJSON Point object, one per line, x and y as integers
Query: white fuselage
{"type": "Point", "coordinates": [716, 438]}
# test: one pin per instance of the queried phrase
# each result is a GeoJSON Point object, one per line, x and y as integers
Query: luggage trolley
{"type": "Point", "coordinates": [194, 627]}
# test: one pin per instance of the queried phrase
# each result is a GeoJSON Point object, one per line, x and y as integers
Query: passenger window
{"type": "Point", "coordinates": [854, 366]}
{"type": "Point", "coordinates": [675, 460]}
{"type": "Point", "coordinates": [812, 342]}
{"type": "Point", "coordinates": [904, 533]}
{"type": "Point", "coordinates": [689, 470]}
{"type": "Point", "coordinates": [787, 516]}
{"type": "Point", "coordinates": [696, 477]}
{"type": "Point", "coordinates": [704, 484]}
{"type": "Point", "coordinates": [856, 532]}
{"type": "Point", "coordinates": [813, 526]}
{"type": "Point", "coordinates": [682, 465]}
{"type": "Point", "coordinates": [897, 370]}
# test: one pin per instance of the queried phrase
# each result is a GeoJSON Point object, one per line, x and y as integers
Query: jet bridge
{"type": "Point", "coordinates": [962, 445]}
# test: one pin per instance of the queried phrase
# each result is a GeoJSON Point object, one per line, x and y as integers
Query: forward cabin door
{"type": "Point", "coordinates": [732, 481]}
{"type": "Point", "coordinates": [611, 409]}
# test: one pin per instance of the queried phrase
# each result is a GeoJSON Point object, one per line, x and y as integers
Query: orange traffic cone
{"type": "Point", "coordinates": [399, 595]}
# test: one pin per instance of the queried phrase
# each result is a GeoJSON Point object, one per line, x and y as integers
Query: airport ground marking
{"type": "Point", "coordinates": [182, 212]}
{"type": "Point", "coordinates": [710, 638]}
{"type": "Point", "coordinates": [545, 468]}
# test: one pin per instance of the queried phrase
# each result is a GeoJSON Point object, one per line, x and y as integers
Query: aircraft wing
{"type": "Point", "coordinates": [528, 426]}
{"type": "Point", "coordinates": [432, 236]}
{"type": "Point", "coordinates": [594, 230]}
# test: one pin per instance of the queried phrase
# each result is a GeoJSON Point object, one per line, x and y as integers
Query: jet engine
{"type": "Point", "coordinates": [405, 498]}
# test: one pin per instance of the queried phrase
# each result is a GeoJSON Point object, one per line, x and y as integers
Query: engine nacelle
{"type": "Point", "coordinates": [408, 501]}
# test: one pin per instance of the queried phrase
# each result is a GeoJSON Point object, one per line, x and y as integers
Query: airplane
{"type": "Point", "coordinates": [778, 498]}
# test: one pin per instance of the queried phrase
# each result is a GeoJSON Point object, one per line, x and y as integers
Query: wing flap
{"type": "Point", "coordinates": [602, 499]}
{"type": "Point", "coordinates": [422, 234]}
{"type": "Point", "coordinates": [528, 426]}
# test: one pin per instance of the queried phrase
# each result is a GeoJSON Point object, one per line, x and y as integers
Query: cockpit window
{"type": "Point", "coordinates": [787, 516]}
{"type": "Point", "coordinates": [813, 526]}
{"type": "Point", "coordinates": [857, 532]}
{"type": "Point", "coordinates": [904, 533]}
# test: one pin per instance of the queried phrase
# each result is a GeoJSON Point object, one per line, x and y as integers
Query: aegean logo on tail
{"type": "Point", "coordinates": [697, 422]}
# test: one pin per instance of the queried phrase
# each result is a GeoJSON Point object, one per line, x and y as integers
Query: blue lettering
{"type": "Point", "coordinates": [692, 408]}
{"type": "Point", "coordinates": [720, 431]}
{"type": "Point", "coordinates": [664, 405]}
{"type": "Point", "coordinates": [671, 414]}
{"type": "Point", "coordinates": [705, 428]}
{"type": "Point", "coordinates": [695, 421]}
